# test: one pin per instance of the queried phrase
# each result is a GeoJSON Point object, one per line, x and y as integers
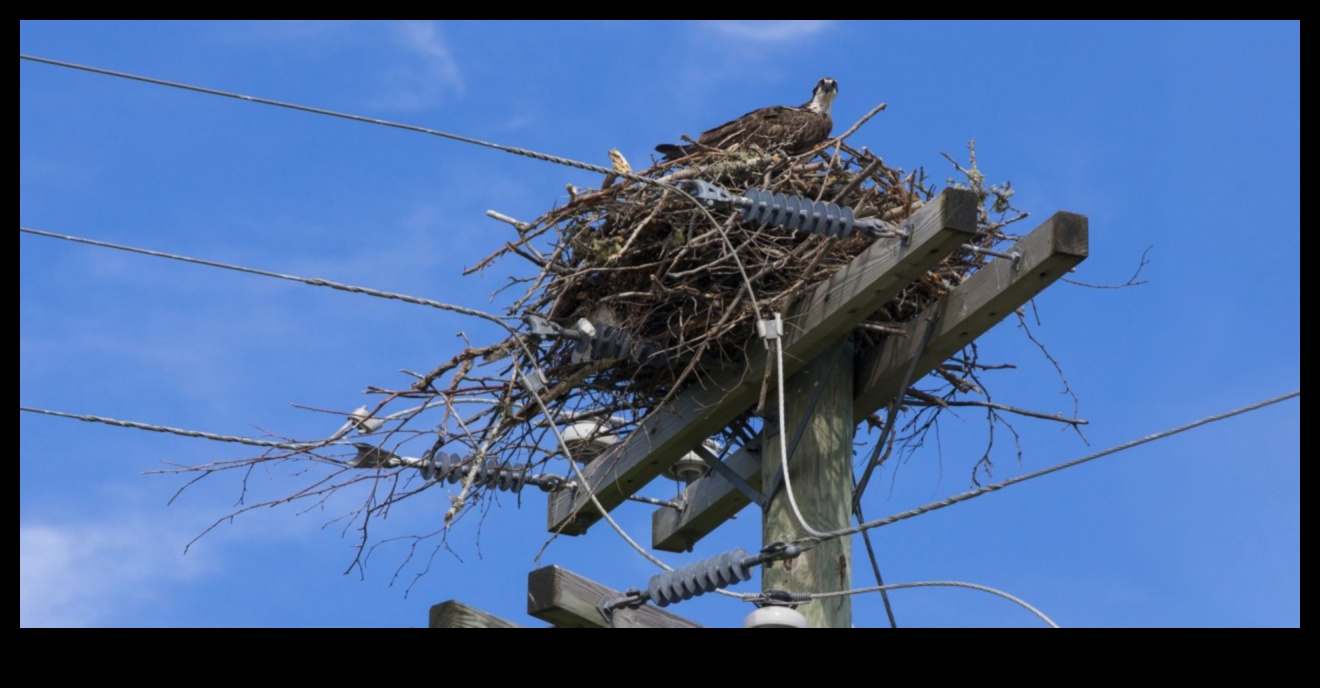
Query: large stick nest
{"type": "Point", "coordinates": [683, 285]}
{"type": "Point", "coordinates": [674, 290]}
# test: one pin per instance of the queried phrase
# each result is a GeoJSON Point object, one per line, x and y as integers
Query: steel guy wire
{"type": "Point", "coordinates": [875, 567]}
{"type": "Point", "coordinates": [950, 501]}
{"type": "Point", "coordinates": [536, 155]}
{"type": "Point", "coordinates": [932, 320]}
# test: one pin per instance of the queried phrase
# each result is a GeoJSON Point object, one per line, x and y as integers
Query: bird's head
{"type": "Point", "coordinates": [823, 96]}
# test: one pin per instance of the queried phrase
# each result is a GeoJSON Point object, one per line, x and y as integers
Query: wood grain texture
{"type": "Point", "coordinates": [568, 600]}
{"type": "Point", "coordinates": [454, 614]}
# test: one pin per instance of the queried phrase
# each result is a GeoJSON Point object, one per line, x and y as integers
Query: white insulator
{"type": "Point", "coordinates": [588, 439]}
{"type": "Point", "coordinates": [692, 466]}
{"type": "Point", "coordinates": [771, 616]}
{"type": "Point", "coordinates": [688, 468]}
{"type": "Point", "coordinates": [364, 425]}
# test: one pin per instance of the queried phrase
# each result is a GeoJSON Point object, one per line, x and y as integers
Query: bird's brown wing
{"type": "Point", "coordinates": [811, 132]}
{"type": "Point", "coordinates": [753, 127]}
{"type": "Point", "coordinates": [790, 128]}
{"type": "Point", "coordinates": [782, 127]}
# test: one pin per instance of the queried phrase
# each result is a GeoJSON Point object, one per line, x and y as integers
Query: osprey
{"type": "Point", "coordinates": [792, 129]}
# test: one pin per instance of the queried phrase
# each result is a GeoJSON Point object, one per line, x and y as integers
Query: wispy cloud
{"type": "Point", "coordinates": [770, 31]}
{"type": "Point", "coordinates": [89, 575]}
{"type": "Point", "coordinates": [410, 63]}
{"type": "Point", "coordinates": [427, 74]}
{"type": "Point", "coordinates": [424, 39]}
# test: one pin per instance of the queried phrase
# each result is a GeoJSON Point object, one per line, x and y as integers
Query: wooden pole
{"type": "Point", "coordinates": [820, 473]}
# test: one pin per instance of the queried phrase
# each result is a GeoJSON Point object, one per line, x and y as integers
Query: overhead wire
{"type": "Point", "coordinates": [303, 446]}
{"type": "Point", "coordinates": [236, 439]}
{"type": "Point", "coordinates": [525, 152]}
{"type": "Point", "coordinates": [177, 431]}
{"type": "Point", "coordinates": [341, 115]}
{"type": "Point", "coordinates": [582, 478]}
{"type": "Point", "coordinates": [950, 501]}
{"type": "Point", "coordinates": [591, 492]}
{"type": "Point", "coordinates": [315, 282]}
{"type": "Point", "coordinates": [816, 535]}
{"type": "Point", "coordinates": [928, 584]}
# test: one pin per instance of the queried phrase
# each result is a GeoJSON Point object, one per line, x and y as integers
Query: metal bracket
{"type": "Point", "coordinates": [778, 551]}
{"type": "Point", "coordinates": [709, 194]}
{"type": "Point", "coordinates": [1014, 256]}
{"type": "Point", "coordinates": [534, 382]}
{"type": "Point", "coordinates": [770, 329]}
{"type": "Point", "coordinates": [730, 475]}
{"type": "Point", "coordinates": [782, 598]}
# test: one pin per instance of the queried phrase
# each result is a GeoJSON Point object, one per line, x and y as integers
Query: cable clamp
{"type": "Point", "coordinates": [631, 599]}
{"type": "Point", "coordinates": [534, 382]}
{"type": "Point", "coordinates": [770, 329]}
{"type": "Point", "coordinates": [781, 598]}
{"type": "Point", "coordinates": [779, 551]}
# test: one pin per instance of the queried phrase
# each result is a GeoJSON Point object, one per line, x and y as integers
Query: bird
{"type": "Point", "coordinates": [790, 129]}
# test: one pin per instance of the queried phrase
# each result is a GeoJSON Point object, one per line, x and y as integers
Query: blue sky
{"type": "Point", "coordinates": [1181, 137]}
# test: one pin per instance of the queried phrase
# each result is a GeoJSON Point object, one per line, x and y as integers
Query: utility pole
{"type": "Point", "coordinates": [819, 417]}
{"type": "Point", "coordinates": [828, 391]}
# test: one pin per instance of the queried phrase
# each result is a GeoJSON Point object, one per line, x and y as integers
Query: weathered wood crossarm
{"type": "Point", "coordinates": [1059, 244]}
{"type": "Point", "coordinates": [454, 614]}
{"type": "Point", "coordinates": [568, 600]}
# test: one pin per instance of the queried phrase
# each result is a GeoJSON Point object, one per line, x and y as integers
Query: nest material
{"type": "Point", "coordinates": [677, 289]}
{"type": "Point", "coordinates": [674, 277]}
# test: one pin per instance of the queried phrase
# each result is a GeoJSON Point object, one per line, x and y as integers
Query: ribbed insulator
{"type": "Point", "coordinates": [437, 466]}
{"type": "Point", "coordinates": [611, 343]}
{"type": "Point", "coordinates": [699, 578]}
{"type": "Point", "coordinates": [794, 212]}
{"type": "Point", "coordinates": [443, 466]}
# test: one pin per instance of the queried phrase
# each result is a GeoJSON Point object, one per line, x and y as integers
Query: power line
{"type": "Point", "coordinates": [535, 155]}
{"type": "Point", "coordinates": [950, 501]}
{"type": "Point", "coordinates": [582, 479]}
{"type": "Point", "coordinates": [176, 431]}
{"type": "Point", "coordinates": [344, 115]}
{"type": "Point", "coordinates": [929, 584]}
{"type": "Point", "coordinates": [302, 446]}
{"type": "Point", "coordinates": [265, 273]}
